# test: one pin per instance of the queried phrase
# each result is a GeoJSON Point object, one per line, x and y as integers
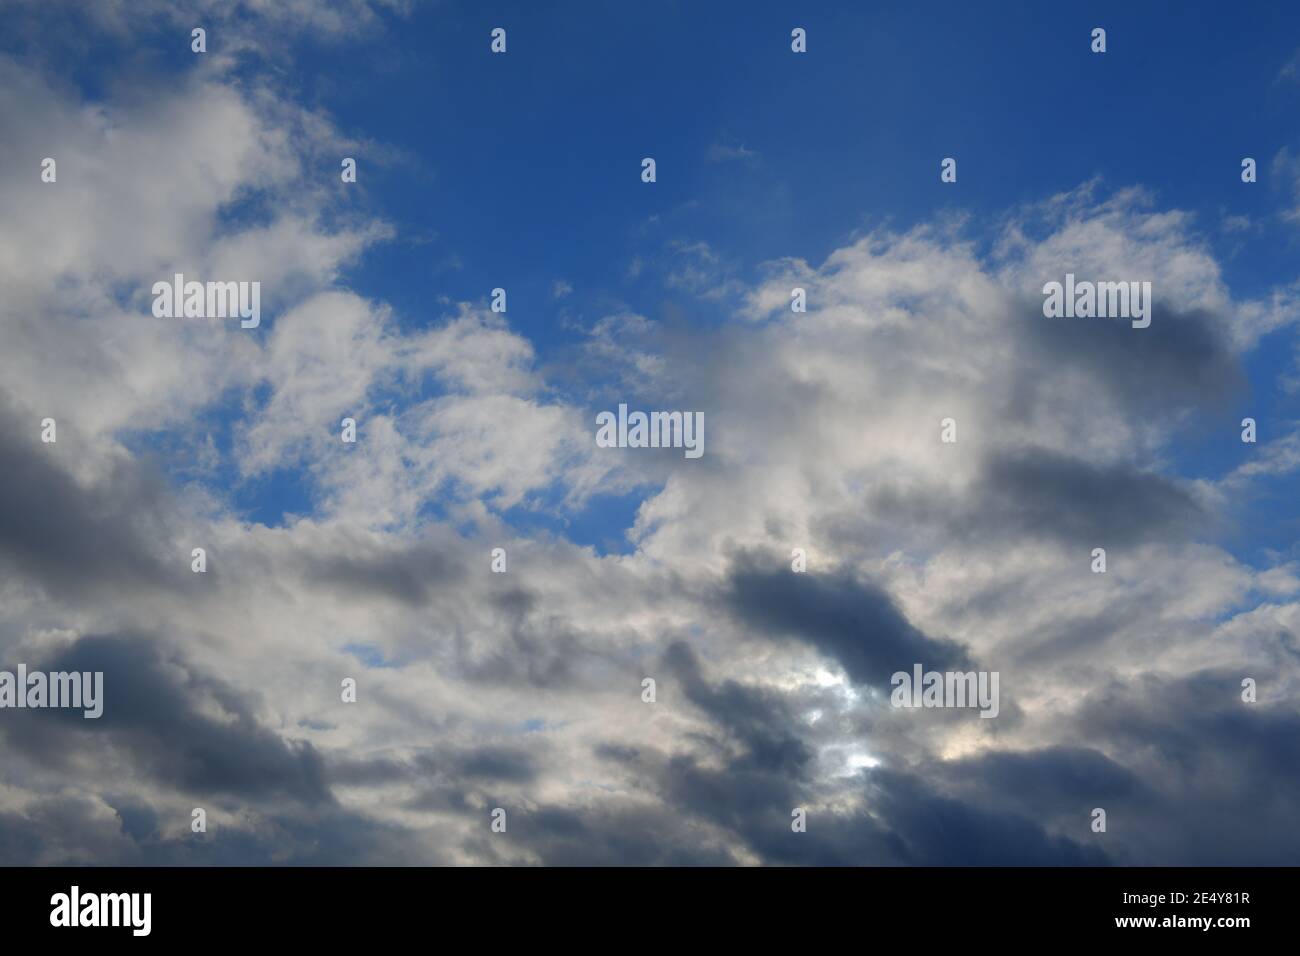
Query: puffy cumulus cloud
{"type": "Point", "coordinates": [523, 690]}
{"type": "Point", "coordinates": [455, 411]}
{"type": "Point", "coordinates": [131, 207]}
{"type": "Point", "coordinates": [1064, 426]}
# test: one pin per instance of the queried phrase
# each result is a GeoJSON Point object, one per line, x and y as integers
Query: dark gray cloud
{"type": "Point", "coordinates": [758, 719]}
{"type": "Point", "coordinates": [756, 768]}
{"type": "Point", "coordinates": [532, 648]}
{"type": "Point", "coordinates": [411, 575]}
{"type": "Point", "coordinates": [1220, 777]}
{"type": "Point", "coordinates": [457, 779]}
{"type": "Point", "coordinates": [1037, 493]}
{"type": "Point", "coordinates": [615, 832]}
{"type": "Point", "coordinates": [849, 619]}
{"type": "Point", "coordinates": [73, 540]}
{"type": "Point", "coordinates": [934, 829]}
{"type": "Point", "coordinates": [74, 831]}
{"type": "Point", "coordinates": [1182, 360]}
{"type": "Point", "coordinates": [158, 715]}
{"type": "Point", "coordinates": [904, 820]}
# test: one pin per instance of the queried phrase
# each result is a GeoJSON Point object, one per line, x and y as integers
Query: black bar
{"type": "Point", "coordinates": [537, 906]}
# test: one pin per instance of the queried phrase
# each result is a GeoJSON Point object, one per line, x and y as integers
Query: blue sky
{"type": "Point", "coordinates": [522, 170]}
{"type": "Point", "coordinates": [529, 153]}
